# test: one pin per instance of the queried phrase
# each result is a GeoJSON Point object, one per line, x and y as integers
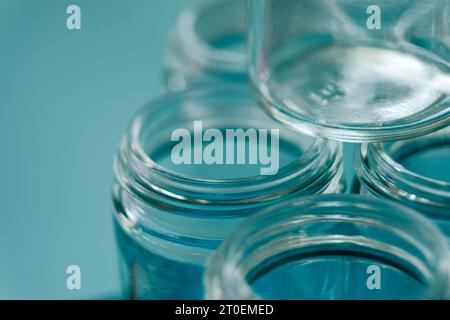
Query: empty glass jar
{"type": "Point", "coordinates": [208, 43]}
{"type": "Point", "coordinates": [170, 215]}
{"type": "Point", "coordinates": [331, 247]}
{"type": "Point", "coordinates": [415, 172]}
{"type": "Point", "coordinates": [353, 70]}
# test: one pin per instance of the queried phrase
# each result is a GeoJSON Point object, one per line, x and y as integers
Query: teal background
{"type": "Point", "coordinates": [65, 99]}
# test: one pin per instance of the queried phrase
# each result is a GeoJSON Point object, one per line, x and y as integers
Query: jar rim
{"type": "Point", "coordinates": [185, 40]}
{"type": "Point", "coordinates": [166, 182]}
{"type": "Point", "coordinates": [226, 273]}
{"type": "Point", "coordinates": [374, 166]}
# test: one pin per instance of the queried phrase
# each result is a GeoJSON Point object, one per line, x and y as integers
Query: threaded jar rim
{"type": "Point", "coordinates": [318, 167]}
{"type": "Point", "coordinates": [286, 227]}
{"type": "Point", "coordinates": [381, 174]}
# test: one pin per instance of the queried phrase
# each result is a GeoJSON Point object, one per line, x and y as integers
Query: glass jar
{"type": "Point", "coordinates": [331, 247]}
{"type": "Point", "coordinates": [353, 70]}
{"type": "Point", "coordinates": [208, 43]}
{"type": "Point", "coordinates": [415, 172]}
{"type": "Point", "coordinates": [171, 216]}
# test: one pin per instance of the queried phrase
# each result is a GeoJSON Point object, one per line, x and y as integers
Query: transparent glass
{"type": "Point", "coordinates": [331, 247]}
{"type": "Point", "coordinates": [169, 217]}
{"type": "Point", "coordinates": [415, 172]}
{"type": "Point", "coordinates": [353, 70]}
{"type": "Point", "coordinates": [208, 43]}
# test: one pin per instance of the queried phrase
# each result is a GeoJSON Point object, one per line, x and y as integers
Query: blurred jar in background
{"type": "Point", "coordinates": [171, 217]}
{"type": "Point", "coordinates": [415, 172]}
{"type": "Point", "coordinates": [331, 247]}
{"type": "Point", "coordinates": [208, 43]}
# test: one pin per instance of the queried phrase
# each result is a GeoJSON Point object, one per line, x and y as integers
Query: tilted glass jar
{"type": "Point", "coordinates": [331, 247]}
{"type": "Point", "coordinates": [208, 43]}
{"type": "Point", "coordinates": [170, 217]}
{"type": "Point", "coordinates": [415, 172]}
{"type": "Point", "coordinates": [353, 70]}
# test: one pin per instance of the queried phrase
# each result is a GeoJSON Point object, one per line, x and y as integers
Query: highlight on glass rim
{"type": "Point", "coordinates": [225, 158]}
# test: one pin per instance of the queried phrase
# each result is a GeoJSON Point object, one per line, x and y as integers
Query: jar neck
{"type": "Point", "coordinates": [313, 174]}
{"type": "Point", "coordinates": [380, 174]}
{"type": "Point", "coordinates": [167, 210]}
{"type": "Point", "coordinates": [323, 226]}
{"type": "Point", "coordinates": [317, 170]}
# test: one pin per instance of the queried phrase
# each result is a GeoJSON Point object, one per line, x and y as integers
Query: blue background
{"type": "Point", "coordinates": [66, 97]}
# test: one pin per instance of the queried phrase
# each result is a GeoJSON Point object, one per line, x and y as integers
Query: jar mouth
{"type": "Point", "coordinates": [318, 168]}
{"type": "Point", "coordinates": [342, 226]}
{"type": "Point", "coordinates": [379, 169]}
{"type": "Point", "coordinates": [199, 27]}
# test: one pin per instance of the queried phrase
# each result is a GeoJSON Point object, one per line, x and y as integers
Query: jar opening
{"type": "Point", "coordinates": [327, 248]}
{"type": "Point", "coordinates": [168, 151]}
{"type": "Point", "coordinates": [219, 141]}
{"type": "Point", "coordinates": [323, 274]}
